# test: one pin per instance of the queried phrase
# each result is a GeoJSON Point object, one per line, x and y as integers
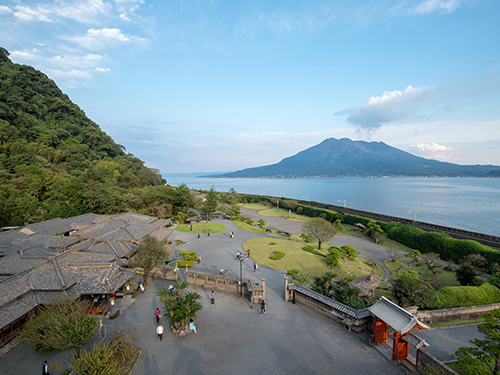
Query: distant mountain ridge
{"type": "Point", "coordinates": [346, 158]}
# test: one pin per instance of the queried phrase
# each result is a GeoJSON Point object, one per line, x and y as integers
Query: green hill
{"type": "Point", "coordinates": [56, 162]}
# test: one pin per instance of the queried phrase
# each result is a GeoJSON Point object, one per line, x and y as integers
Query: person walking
{"type": "Point", "coordinates": [237, 255]}
{"type": "Point", "coordinates": [159, 331]}
{"type": "Point", "coordinates": [212, 298]}
{"type": "Point", "coordinates": [263, 307]}
{"type": "Point", "coordinates": [157, 315]}
{"type": "Point", "coordinates": [199, 235]}
{"type": "Point", "coordinates": [45, 368]}
{"type": "Point", "coordinates": [254, 267]}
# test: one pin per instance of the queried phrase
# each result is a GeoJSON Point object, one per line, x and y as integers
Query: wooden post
{"type": "Point", "coordinates": [264, 289]}
{"type": "Point", "coordinates": [286, 288]}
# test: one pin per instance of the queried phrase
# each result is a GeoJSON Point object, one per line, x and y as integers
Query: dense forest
{"type": "Point", "coordinates": [56, 162]}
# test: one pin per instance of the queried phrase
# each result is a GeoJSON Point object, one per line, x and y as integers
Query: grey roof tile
{"type": "Point", "coordinates": [50, 227]}
{"type": "Point", "coordinates": [396, 317]}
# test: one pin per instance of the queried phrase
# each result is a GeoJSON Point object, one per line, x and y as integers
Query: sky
{"type": "Point", "coordinates": [203, 86]}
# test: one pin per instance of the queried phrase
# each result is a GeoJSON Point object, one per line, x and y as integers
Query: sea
{"type": "Point", "coordinates": [465, 203]}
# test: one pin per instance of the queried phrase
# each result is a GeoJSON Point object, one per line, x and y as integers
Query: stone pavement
{"type": "Point", "coordinates": [232, 336]}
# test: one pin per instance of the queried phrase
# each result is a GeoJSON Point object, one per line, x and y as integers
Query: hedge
{"type": "Point", "coordinates": [457, 296]}
{"type": "Point", "coordinates": [447, 247]}
{"type": "Point", "coordinates": [277, 255]}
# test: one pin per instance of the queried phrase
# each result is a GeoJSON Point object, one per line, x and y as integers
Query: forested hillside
{"type": "Point", "coordinates": [56, 162]}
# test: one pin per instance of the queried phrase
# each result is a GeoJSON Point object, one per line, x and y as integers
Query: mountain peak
{"type": "Point", "coordinates": [347, 158]}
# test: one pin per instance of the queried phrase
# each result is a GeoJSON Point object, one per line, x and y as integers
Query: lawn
{"type": "Point", "coordinates": [281, 212]}
{"type": "Point", "coordinates": [257, 206]}
{"type": "Point", "coordinates": [441, 279]}
{"type": "Point", "coordinates": [248, 227]}
{"type": "Point", "coordinates": [202, 228]}
{"type": "Point", "coordinates": [261, 249]}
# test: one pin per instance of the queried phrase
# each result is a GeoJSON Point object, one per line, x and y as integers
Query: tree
{"type": "Point", "coordinates": [393, 254]}
{"type": "Point", "coordinates": [333, 256]}
{"type": "Point", "coordinates": [373, 230]}
{"type": "Point", "coordinates": [113, 356]}
{"type": "Point", "coordinates": [411, 291]}
{"type": "Point", "coordinates": [323, 284]}
{"type": "Point", "coordinates": [210, 204]}
{"type": "Point", "coordinates": [432, 261]}
{"type": "Point", "coordinates": [275, 201]}
{"type": "Point", "coordinates": [338, 224]}
{"type": "Point", "coordinates": [320, 229]}
{"type": "Point", "coordinates": [414, 254]}
{"type": "Point", "coordinates": [350, 252]}
{"type": "Point", "coordinates": [476, 260]}
{"type": "Point", "coordinates": [179, 308]}
{"type": "Point", "coordinates": [151, 253]}
{"type": "Point", "coordinates": [291, 205]}
{"type": "Point", "coordinates": [262, 223]}
{"type": "Point", "coordinates": [61, 325]}
{"type": "Point", "coordinates": [466, 275]}
{"type": "Point", "coordinates": [484, 357]}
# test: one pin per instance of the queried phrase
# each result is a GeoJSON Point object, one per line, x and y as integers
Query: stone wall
{"type": "Point", "coordinates": [428, 360]}
{"type": "Point", "coordinates": [352, 319]}
{"type": "Point", "coordinates": [254, 291]}
{"type": "Point", "coordinates": [164, 272]}
{"type": "Point", "coordinates": [455, 313]}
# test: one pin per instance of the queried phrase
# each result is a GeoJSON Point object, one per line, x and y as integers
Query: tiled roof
{"type": "Point", "coordinates": [358, 314]}
{"type": "Point", "coordinates": [396, 317]}
{"type": "Point", "coordinates": [136, 218]}
{"type": "Point", "coordinates": [50, 227]}
{"type": "Point", "coordinates": [10, 237]}
{"type": "Point", "coordinates": [16, 309]}
{"type": "Point", "coordinates": [83, 219]}
{"type": "Point", "coordinates": [415, 341]}
{"type": "Point", "coordinates": [54, 242]}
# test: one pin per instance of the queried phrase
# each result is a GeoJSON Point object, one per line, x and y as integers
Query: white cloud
{"type": "Point", "coordinates": [4, 9]}
{"type": "Point", "coordinates": [434, 151]}
{"type": "Point", "coordinates": [28, 14]}
{"type": "Point", "coordinates": [95, 39]}
{"type": "Point", "coordinates": [391, 106]}
{"type": "Point", "coordinates": [431, 6]}
{"type": "Point", "coordinates": [102, 69]}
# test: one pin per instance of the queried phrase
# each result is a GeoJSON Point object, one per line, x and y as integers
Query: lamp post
{"type": "Point", "coordinates": [414, 215]}
{"type": "Point", "coordinates": [342, 200]}
{"type": "Point", "coordinates": [242, 259]}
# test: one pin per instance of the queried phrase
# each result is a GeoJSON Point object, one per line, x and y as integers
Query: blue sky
{"type": "Point", "coordinates": [200, 86]}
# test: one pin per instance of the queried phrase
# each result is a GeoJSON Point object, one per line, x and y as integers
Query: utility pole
{"type": "Point", "coordinates": [342, 200]}
{"type": "Point", "coordinates": [414, 215]}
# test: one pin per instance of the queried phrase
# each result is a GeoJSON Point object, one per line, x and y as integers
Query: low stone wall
{"type": "Point", "coordinates": [352, 319]}
{"type": "Point", "coordinates": [455, 313]}
{"type": "Point", "coordinates": [255, 292]}
{"type": "Point", "coordinates": [164, 272]}
{"type": "Point", "coordinates": [426, 359]}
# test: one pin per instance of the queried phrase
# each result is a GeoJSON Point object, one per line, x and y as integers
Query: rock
{"type": "Point", "coordinates": [366, 284]}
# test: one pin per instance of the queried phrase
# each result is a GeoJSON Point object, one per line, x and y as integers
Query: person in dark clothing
{"type": "Point", "coordinates": [45, 368]}
{"type": "Point", "coordinates": [263, 307]}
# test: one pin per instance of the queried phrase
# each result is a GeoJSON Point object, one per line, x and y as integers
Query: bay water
{"type": "Point", "coordinates": [466, 203]}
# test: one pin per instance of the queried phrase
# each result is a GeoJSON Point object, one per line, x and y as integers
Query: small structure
{"type": "Point", "coordinates": [387, 313]}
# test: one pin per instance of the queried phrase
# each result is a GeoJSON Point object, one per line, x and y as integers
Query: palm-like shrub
{"type": "Point", "coordinates": [179, 308]}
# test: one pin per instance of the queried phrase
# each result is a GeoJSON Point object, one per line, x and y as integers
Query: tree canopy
{"type": "Point", "coordinates": [56, 162]}
{"type": "Point", "coordinates": [151, 253]}
{"type": "Point", "coordinates": [61, 325]}
{"type": "Point", "coordinates": [320, 229]}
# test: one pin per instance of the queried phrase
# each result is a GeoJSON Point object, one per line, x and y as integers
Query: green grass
{"type": "Point", "coordinates": [456, 323]}
{"type": "Point", "coordinates": [202, 228]}
{"type": "Point", "coordinates": [248, 227]}
{"type": "Point", "coordinates": [441, 279]}
{"type": "Point", "coordinates": [256, 206]}
{"type": "Point", "coordinates": [277, 255]}
{"type": "Point", "coordinates": [311, 264]}
{"type": "Point", "coordinates": [281, 212]}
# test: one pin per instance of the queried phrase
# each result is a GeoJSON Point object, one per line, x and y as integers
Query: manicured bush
{"type": "Point", "coordinates": [448, 248]}
{"type": "Point", "coordinates": [494, 280]}
{"type": "Point", "coordinates": [300, 210]}
{"type": "Point", "coordinates": [456, 296]}
{"type": "Point", "coordinates": [293, 271]}
{"type": "Point", "coordinates": [277, 255]}
{"type": "Point", "coordinates": [272, 243]}
{"type": "Point", "coordinates": [311, 249]}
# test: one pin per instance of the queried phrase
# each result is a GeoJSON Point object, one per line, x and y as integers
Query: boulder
{"type": "Point", "coordinates": [367, 284]}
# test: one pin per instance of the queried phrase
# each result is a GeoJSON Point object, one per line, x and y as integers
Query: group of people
{"type": "Point", "coordinates": [242, 255]}
{"type": "Point", "coordinates": [159, 327]}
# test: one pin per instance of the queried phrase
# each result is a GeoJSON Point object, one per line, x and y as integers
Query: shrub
{"type": "Point", "coordinates": [293, 271]}
{"type": "Point", "coordinates": [466, 275]}
{"type": "Point", "coordinates": [456, 296]}
{"type": "Point", "coordinates": [410, 291]}
{"type": "Point", "coordinates": [272, 243]}
{"type": "Point", "coordinates": [300, 210]}
{"type": "Point", "coordinates": [277, 255]}
{"type": "Point", "coordinates": [494, 280]}
{"type": "Point", "coordinates": [311, 249]}
{"type": "Point", "coordinates": [184, 263]}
